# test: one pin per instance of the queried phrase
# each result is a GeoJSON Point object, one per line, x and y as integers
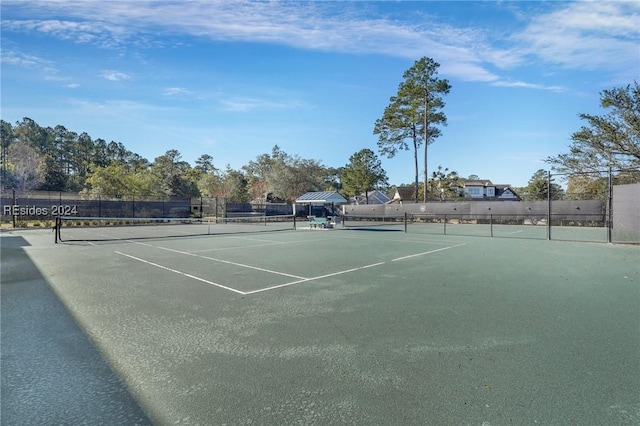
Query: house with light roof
{"type": "Point", "coordinates": [486, 190]}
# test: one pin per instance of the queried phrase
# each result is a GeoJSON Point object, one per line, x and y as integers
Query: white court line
{"type": "Point", "coordinates": [315, 278]}
{"type": "Point", "coordinates": [409, 240]}
{"type": "Point", "coordinates": [427, 252]}
{"type": "Point", "coordinates": [244, 293]}
{"type": "Point", "coordinates": [299, 281]}
{"type": "Point", "coordinates": [242, 265]}
{"type": "Point", "coordinates": [265, 243]}
{"type": "Point", "coordinates": [182, 273]}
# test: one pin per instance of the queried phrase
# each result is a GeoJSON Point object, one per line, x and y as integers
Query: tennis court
{"type": "Point", "coordinates": [366, 325]}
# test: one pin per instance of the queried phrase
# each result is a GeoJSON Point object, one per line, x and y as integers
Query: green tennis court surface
{"type": "Point", "coordinates": [358, 326]}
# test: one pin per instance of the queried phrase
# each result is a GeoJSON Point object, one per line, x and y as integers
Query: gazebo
{"type": "Point", "coordinates": [323, 198]}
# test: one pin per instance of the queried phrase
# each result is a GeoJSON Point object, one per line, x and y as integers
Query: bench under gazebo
{"type": "Point", "coordinates": [324, 199]}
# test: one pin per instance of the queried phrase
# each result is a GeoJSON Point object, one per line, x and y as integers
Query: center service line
{"type": "Point", "coordinates": [314, 278]}
{"type": "Point", "coordinates": [427, 252]}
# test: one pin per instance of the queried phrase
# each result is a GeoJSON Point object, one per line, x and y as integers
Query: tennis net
{"type": "Point", "coordinates": [73, 228]}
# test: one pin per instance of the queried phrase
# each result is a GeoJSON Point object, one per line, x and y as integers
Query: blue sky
{"type": "Point", "coordinates": [233, 79]}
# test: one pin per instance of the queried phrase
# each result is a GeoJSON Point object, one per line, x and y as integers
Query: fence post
{"type": "Point", "coordinates": [549, 205]}
{"type": "Point", "coordinates": [13, 216]}
{"type": "Point", "coordinates": [491, 222]}
{"type": "Point", "coordinates": [610, 207]}
{"type": "Point", "coordinates": [56, 229]}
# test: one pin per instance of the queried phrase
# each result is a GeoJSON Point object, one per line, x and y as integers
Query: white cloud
{"type": "Point", "coordinates": [172, 91]}
{"type": "Point", "coordinates": [584, 35]}
{"type": "Point", "coordinates": [42, 66]}
{"type": "Point", "coordinates": [246, 104]}
{"type": "Point", "coordinates": [11, 57]}
{"type": "Point", "coordinates": [523, 85]}
{"type": "Point", "coordinates": [114, 75]}
{"type": "Point", "coordinates": [587, 35]}
{"type": "Point", "coordinates": [306, 25]}
{"type": "Point", "coordinates": [91, 31]}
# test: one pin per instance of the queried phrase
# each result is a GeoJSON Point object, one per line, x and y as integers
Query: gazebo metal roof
{"type": "Point", "coordinates": [324, 197]}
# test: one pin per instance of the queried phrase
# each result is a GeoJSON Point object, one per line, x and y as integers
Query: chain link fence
{"type": "Point", "coordinates": [40, 208]}
{"type": "Point", "coordinates": [598, 207]}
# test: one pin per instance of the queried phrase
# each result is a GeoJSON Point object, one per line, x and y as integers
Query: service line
{"type": "Point", "coordinates": [427, 252]}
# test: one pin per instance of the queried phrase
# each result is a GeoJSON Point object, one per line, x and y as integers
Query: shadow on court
{"type": "Point", "coordinates": [51, 372]}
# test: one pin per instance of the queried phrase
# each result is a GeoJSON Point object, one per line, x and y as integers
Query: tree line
{"type": "Point", "coordinates": [57, 159]}
{"type": "Point", "coordinates": [33, 157]}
